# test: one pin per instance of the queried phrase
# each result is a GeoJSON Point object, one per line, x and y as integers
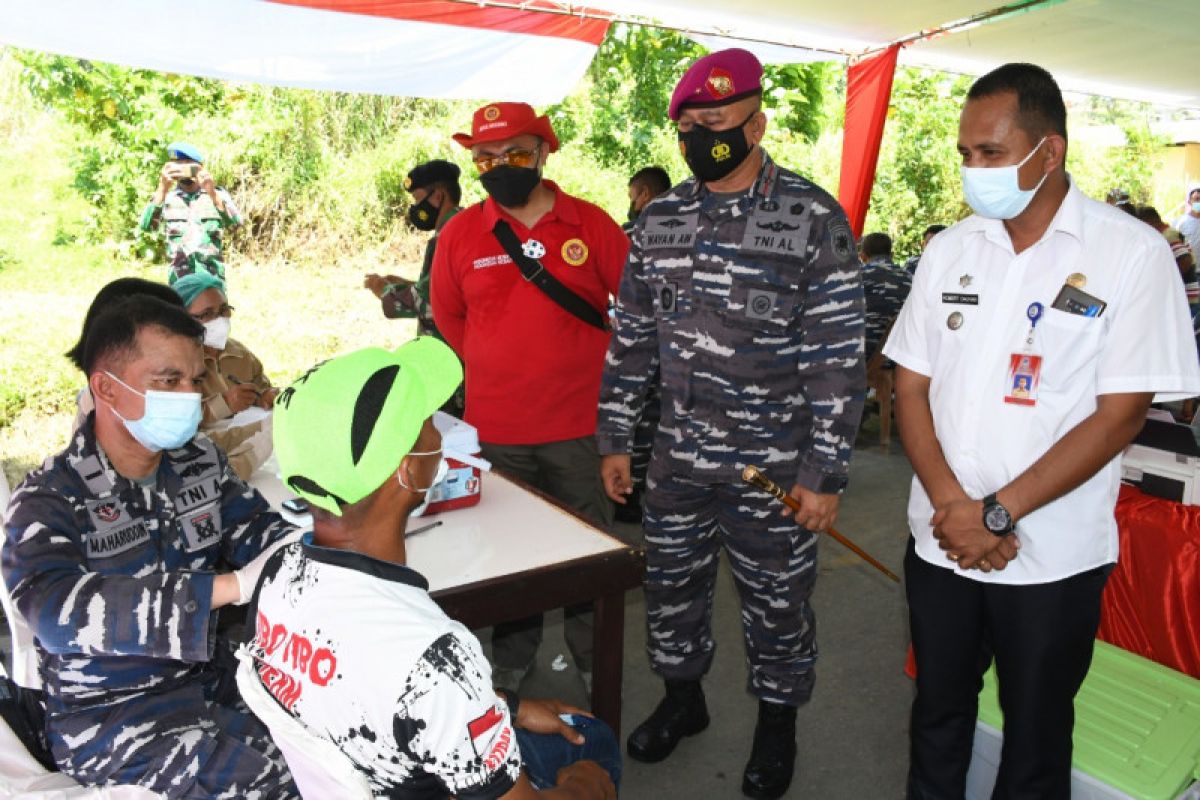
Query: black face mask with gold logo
{"type": "Point", "coordinates": [712, 155]}
{"type": "Point", "coordinates": [423, 215]}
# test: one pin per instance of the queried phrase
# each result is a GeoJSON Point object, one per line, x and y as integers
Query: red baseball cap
{"type": "Point", "coordinates": [497, 121]}
{"type": "Point", "coordinates": [718, 79]}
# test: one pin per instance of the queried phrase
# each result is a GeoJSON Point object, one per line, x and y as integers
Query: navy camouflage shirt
{"type": "Point", "coordinates": [751, 305]}
{"type": "Point", "coordinates": [115, 578]}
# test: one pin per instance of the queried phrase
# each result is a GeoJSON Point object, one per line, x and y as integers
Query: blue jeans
{"type": "Point", "coordinates": [544, 754]}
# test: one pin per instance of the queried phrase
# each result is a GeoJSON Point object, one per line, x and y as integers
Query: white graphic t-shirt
{"type": "Point", "coordinates": [356, 649]}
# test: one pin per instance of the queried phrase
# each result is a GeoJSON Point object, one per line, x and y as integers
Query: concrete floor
{"type": "Point", "coordinates": [853, 735]}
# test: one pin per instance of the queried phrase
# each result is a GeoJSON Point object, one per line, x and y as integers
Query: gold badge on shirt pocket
{"type": "Point", "coordinates": [574, 252]}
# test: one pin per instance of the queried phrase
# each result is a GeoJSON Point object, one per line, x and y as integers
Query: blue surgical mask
{"type": "Point", "coordinates": [1196, 207]}
{"type": "Point", "coordinates": [995, 192]}
{"type": "Point", "coordinates": [170, 419]}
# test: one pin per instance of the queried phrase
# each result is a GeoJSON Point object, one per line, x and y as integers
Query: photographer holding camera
{"type": "Point", "coordinates": [195, 212]}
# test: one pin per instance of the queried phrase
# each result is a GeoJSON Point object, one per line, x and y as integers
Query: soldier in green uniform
{"type": "Point", "coordinates": [195, 213]}
{"type": "Point", "coordinates": [435, 197]}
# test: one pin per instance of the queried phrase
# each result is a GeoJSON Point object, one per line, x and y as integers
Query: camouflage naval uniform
{"type": "Point", "coordinates": [885, 286]}
{"type": "Point", "coordinates": [115, 580]}
{"type": "Point", "coordinates": [751, 306]}
{"type": "Point", "coordinates": [194, 226]}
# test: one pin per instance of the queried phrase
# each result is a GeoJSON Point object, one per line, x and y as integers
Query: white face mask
{"type": "Point", "coordinates": [443, 469]}
{"type": "Point", "coordinates": [216, 333]}
{"type": "Point", "coordinates": [995, 192]}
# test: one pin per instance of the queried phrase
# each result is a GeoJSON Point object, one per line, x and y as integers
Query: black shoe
{"type": "Point", "coordinates": [681, 713]}
{"type": "Point", "coordinates": [773, 758]}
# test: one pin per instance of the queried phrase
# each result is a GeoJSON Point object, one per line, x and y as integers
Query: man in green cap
{"type": "Point", "coordinates": [195, 213]}
{"type": "Point", "coordinates": [347, 638]}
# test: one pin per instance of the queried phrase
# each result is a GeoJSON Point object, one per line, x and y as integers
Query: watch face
{"type": "Point", "coordinates": [996, 518]}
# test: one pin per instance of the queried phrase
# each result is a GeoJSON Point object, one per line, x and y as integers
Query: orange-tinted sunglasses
{"type": "Point", "coordinates": [517, 157]}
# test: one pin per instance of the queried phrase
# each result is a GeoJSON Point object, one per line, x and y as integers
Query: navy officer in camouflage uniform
{"type": "Point", "coordinates": [885, 287]}
{"type": "Point", "coordinates": [118, 552]}
{"type": "Point", "coordinates": [743, 288]}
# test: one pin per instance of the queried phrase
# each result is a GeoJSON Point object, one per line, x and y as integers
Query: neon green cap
{"type": "Point", "coordinates": [343, 427]}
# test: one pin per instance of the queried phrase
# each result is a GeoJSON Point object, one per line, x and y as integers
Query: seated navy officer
{"type": "Point", "coordinates": [117, 552]}
{"type": "Point", "coordinates": [347, 638]}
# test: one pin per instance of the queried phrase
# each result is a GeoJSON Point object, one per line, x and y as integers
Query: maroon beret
{"type": "Point", "coordinates": [717, 79]}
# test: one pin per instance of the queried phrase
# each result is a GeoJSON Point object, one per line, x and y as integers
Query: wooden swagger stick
{"type": "Point", "coordinates": [755, 476]}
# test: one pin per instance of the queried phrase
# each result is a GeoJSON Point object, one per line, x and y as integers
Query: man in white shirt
{"type": "Point", "coordinates": [1036, 334]}
{"type": "Point", "coordinates": [346, 637]}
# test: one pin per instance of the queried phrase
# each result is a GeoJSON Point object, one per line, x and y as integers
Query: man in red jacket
{"type": "Point", "coordinates": [533, 346]}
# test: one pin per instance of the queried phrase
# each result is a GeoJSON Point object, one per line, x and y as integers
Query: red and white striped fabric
{"type": "Point", "coordinates": [415, 48]}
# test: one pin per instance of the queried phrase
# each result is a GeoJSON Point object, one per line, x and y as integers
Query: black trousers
{"type": "Point", "coordinates": [1041, 636]}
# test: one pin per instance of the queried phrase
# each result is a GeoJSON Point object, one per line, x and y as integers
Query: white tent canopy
{"type": "Point", "coordinates": [1133, 49]}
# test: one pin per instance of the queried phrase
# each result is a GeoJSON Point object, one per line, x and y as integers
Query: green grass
{"type": "Point", "coordinates": [290, 315]}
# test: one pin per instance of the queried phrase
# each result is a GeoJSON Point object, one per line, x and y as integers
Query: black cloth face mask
{"type": "Point", "coordinates": [423, 215]}
{"type": "Point", "coordinates": [711, 155]}
{"type": "Point", "coordinates": [510, 186]}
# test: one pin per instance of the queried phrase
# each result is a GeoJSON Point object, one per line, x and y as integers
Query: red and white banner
{"type": "Point", "coordinates": [414, 48]}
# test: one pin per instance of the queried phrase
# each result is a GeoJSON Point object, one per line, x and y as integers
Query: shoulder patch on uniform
{"type": "Point", "coordinates": [843, 239]}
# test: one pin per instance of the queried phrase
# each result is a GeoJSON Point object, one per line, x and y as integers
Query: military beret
{"type": "Point", "coordinates": [431, 172]}
{"type": "Point", "coordinates": [717, 79]}
{"type": "Point", "coordinates": [178, 150]}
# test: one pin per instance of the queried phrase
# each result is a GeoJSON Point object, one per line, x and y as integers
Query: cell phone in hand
{"type": "Point", "coordinates": [295, 505]}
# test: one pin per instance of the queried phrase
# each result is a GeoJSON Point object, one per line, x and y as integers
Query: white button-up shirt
{"type": "Point", "coordinates": [1142, 342]}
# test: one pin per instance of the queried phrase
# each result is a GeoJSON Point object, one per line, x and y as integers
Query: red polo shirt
{"type": "Point", "coordinates": [532, 369]}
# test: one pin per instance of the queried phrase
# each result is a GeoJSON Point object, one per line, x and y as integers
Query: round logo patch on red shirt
{"type": "Point", "coordinates": [574, 252]}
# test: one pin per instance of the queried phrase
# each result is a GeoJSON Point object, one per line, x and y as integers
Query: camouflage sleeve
{"type": "Point", "coordinates": [398, 301]}
{"type": "Point", "coordinates": [250, 525]}
{"type": "Point", "coordinates": [148, 216]}
{"type": "Point", "coordinates": [74, 610]}
{"type": "Point", "coordinates": [231, 217]}
{"type": "Point", "coordinates": [833, 370]}
{"type": "Point", "coordinates": [632, 357]}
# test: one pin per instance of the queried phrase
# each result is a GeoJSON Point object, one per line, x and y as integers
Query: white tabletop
{"type": "Point", "coordinates": [510, 530]}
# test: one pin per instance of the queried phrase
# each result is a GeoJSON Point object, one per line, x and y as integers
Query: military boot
{"type": "Point", "coordinates": [681, 713]}
{"type": "Point", "coordinates": [773, 757]}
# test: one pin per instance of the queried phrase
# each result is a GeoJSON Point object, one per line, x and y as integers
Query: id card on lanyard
{"type": "Point", "coordinates": [1025, 367]}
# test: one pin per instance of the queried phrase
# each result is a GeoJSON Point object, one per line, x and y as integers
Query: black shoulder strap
{"type": "Point", "coordinates": [539, 276]}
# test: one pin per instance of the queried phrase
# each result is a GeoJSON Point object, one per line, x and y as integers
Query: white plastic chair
{"type": "Point", "coordinates": [24, 653]}
{"type": "Point", "coordinates": [319, 768]}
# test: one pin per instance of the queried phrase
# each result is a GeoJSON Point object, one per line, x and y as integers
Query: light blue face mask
{"type": "Point", "coordinates": [170, 419]}
{"type": "Point", "coordinates": [1196, 207]}
{"type": "Point", "coordinates": [995, 192]}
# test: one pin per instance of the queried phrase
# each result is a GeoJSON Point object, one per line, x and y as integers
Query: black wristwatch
{"type": "Point", "coordinates": [996, 517]}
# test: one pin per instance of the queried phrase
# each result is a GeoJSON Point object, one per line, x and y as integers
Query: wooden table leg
{"type": "Point", "coordinates": [608, 641]}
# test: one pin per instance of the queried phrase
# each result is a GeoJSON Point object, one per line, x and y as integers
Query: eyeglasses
{"type": "Point", "coordinates": [224, 310]}
{"type": "Point", "coordinates": [517, 157]}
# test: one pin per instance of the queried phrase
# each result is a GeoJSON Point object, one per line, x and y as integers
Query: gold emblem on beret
{"type": "Point", "coordinates": [491, 113]}
{"type": "Point", "coordinates": [408, 183]}
{"type": "Point", "coordinates": [719, 82]}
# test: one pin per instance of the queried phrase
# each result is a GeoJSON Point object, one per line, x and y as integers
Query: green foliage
{"type": "Point", "coordinates": [917, 182]}
{"type": "Point", "coordinates": [129, 117]}
{"type": "Point", "coordinates": [1130, 166]}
